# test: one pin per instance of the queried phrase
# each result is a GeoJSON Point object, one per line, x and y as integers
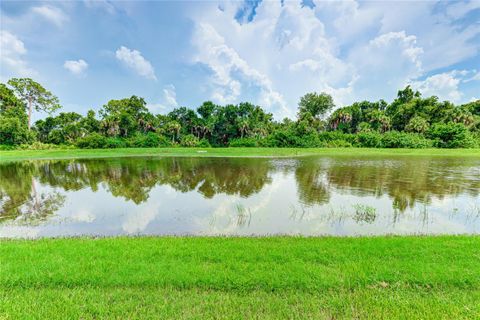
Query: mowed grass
{"type": "Point", "coordinates": [15, 155]}
{"type": "Point", "coordinates": [237, 278]}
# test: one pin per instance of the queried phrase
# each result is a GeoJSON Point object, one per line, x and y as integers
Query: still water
{"type": "Point", "coordinates": [343, 196]}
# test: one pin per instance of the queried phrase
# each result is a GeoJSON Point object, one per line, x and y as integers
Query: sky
{"type": "Point", "coordinates": [266, 52]}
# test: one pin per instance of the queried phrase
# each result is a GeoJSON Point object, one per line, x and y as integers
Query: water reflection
{"type": "Point", "coordinates": [313, 195]}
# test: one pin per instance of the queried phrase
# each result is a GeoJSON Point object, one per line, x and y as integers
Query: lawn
{"type": "Point", "coordinates": [14, 155]}
{"type": "Point", "coordinates": [264, 278]}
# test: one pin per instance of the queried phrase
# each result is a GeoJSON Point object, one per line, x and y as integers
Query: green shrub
{"type": "Point", "coordinates": [289, 138]}
{"type": "Point", "coordinates": [368, 140]}
{"type": "Point", "coordinates": [92, 141]}
{"type": "Point", "coordinates": [204, 143]}
{"type": "Point", "coordinates": [149, 140]}
{"type": "Point", "coordinates": [451, 135]}
{"type": "Point", "coordinates": [244, 142]}
{"type": "Point", "coordinates": [115, 143]}
{"type": "Point", "coordinates": [14, 132]}
{"type": "Point", "coordinates": [189, 140]}
{"type": "Point", "coordinates": [332, 138]}
{"type": "Point", "coordinates": [37, 145]}
{"type": "Point", "coordinates": [395, 139]}
{"type": "Point", "coordinates": [5, 147]}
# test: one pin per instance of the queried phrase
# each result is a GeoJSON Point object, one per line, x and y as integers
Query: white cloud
{"type": "Point", "coordinates": [273, 60]}
{"type": "Point", "coordinates": [352, 50]}
{"type": "Point", "coordinates": [231, 72]}
{"type": "Point", "coordinates": [53, 14]}
{"type": "Point", "coordinates": [443, 85]}
{"type": "Point", "coordinates": [446, 85]}
{"type": "Point", "coordinates": [134, 60]}
{"type": "Point", "coordinates": [386, 64]}
{"type": "Point", "coordinates": [12, 51]}
{"type": "Point", "coordinates": [168, 101]}
{"type": "Point", "coordinates": [170, 96]}
{"type": "Point", "coordinates": [76, 67]}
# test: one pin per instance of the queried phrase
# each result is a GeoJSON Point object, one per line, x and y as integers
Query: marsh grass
{"type": "Point", "coordinates": [364, 213]}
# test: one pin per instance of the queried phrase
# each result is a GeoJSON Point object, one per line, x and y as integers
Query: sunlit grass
{"type": "Point", "coordinates": [277, 277]}
{"type": "Point", "coordinates": [226, 152]}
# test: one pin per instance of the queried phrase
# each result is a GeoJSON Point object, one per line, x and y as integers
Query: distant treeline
{"type": "Point", "coordinates": [409, 121]}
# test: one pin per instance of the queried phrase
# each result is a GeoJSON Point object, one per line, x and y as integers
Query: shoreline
{"type": "Point", "coordinates": [54, 154]}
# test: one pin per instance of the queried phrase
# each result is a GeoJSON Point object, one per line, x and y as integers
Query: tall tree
{"type": "Point", "coordinates": [34, 95]}
{"type": "Point", "coordinates": [316, 104]}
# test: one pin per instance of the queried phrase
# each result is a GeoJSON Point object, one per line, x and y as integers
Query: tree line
{"type": "Point", "coordinates": [409, 121]}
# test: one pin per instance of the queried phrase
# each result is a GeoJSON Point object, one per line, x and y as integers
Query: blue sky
{"type": "Point", "coordinates": [268, 52]}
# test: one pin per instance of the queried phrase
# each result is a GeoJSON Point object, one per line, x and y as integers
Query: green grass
{"type": "Point", "coordinates": [264, 278]}
{"type": "Point", "coordinates": [14, 155]}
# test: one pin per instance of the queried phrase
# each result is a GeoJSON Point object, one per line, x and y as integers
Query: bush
{"type": "Point", "coordinates": [37, 145]}
{"type": "Point", "coordinates": [451, 135]}
{"type": "Point", "coordinates": [115, 143]}
{"type": "Point", "coordinates": [189, 140]}
{"type": "Point", "coordinates": [149, 140]}
{"type": "Point", "coordinates": [368, 140]}
{"type": "Point", "coordinates": [395, 139]}
{"type": "Point", "coordinates": [204, 144]}
{"type": "Point", "coordinates": [244, 142]}
{"type": "Point", "coordinates": [329, 136]}
{"type": "Point", "coordinates": [14, 132]}
{"type": "Point", "coordinates": [289, 138]}
{"type": "Point", "coordinates": [92, 141]}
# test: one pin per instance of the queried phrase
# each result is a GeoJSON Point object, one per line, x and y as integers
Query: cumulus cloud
{"type": "Point", "coordinates": [230, 70]}
{"type": "Point", "coordinates": [443, 85]}
{"type": "Point", "coordinates": [446, 85]}
{"type": "Point", "coordinates": [76, 67]}
{"type": "Point", "coordinates": [168, 100]}
{"type": "Point", "coordinates": [12, 51]}
{"type": "Point", "coordinates": [291, 55]}
{"type": "Point", "coordinates": [134, 60]}
{"type": "Point", "coordinates": [386, 63]}
{"type": "Point", "coordinates": [53, 14]}
{"type": "Point", "coordinates": [170, 95]}
{"type": "Point", "coordinates": [352, 50]}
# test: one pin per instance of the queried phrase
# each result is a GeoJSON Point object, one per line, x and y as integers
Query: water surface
{"type": "Point", "coordinates": [320, 195]}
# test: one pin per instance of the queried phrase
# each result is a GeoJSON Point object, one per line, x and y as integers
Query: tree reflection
{"type": "Point", "coordinates": [310, 175]}
{"type": "Point", "coordinates": [19, 199]}
{"type": "Point", "coordinates": [131, 179]}
{"type": "Point", "coordinates": [406, 181]}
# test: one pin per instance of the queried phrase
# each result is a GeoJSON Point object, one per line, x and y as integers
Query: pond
{"type": "Point", "coordinates": [312, 196]}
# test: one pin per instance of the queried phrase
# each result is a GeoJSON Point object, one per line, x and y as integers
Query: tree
{"type": "Point", "coordinates": [407, 94]}
{"type": "Point", "coordinates": [35, 96]}
{"type": "Point", "coordinates": [317, 105]}
{"type": "Point", "coordinates": [417, 124]}
{"type": "Point", "coordinates": [124, 117]}
{"type": "Point", "coordinates": [13, 119]}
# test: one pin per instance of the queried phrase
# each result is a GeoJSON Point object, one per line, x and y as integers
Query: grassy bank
{"type": "Point", "coordinates": [14, 155]}
{"type": "Point", "coordinates": [280, 277]}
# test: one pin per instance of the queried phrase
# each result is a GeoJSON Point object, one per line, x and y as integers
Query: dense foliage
{"type": "Point", "coordinates": [410, 121]}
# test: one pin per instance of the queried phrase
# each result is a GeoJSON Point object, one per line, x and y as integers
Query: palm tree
{"type": "Point", "coordinates": [243, 127]}
{"type": "Point", "coordinates": [460, 115]}
{"type": "Point", "coordinates": [174, 128]}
